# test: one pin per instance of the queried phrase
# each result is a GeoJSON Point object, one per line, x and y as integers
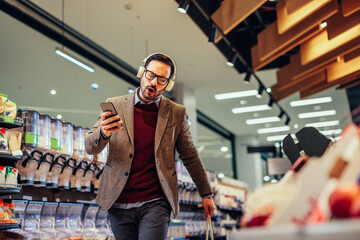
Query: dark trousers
{"type": "Point", "coordinates": [150, 221]}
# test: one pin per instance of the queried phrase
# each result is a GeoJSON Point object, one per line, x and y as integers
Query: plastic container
{"type": "Point", "coordinates": [56, 136]}
{"type": "Point", "coordinates": [87, 157]}
{"type": "Point", "coordinates": [79, 144]}
{"type": "Point", "coordinates": [31, 127]}
{"type": "Point", "coordinates": [44, 132]}
{"type": "Point", "coordinates": [67, 139]}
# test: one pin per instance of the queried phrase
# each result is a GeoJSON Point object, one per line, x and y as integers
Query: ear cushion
{"type": "Point", "coordinates": [140, 72]}
{"type": "Point", "coordinates": [170, 86]}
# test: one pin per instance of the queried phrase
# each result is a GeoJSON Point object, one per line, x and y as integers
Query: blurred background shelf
{"type": "Point", "coordinates": [10, 125]}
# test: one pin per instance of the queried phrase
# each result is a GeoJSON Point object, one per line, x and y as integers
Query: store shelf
{"type": "Point", "coordinates": [9, 160]}
{"type": "Point", "coordinates": [10, 125]}
{"type": "Point", "coordinates": [10, 189]}
{"type": "Point", "coordinates": [9, 226]}
{"type": "Point", "coordinates": [225, 208]}
{"type": "Point", "coordinates": [203, 237]}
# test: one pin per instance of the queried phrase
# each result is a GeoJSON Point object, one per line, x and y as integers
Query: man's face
{"type": "Point", "coordinates": [150, 90]}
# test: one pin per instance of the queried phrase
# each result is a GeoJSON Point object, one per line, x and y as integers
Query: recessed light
{"type": "Point", "coordinates": [130, 90]}
{"type": "Point", "coordinates": [323, 124]}
{"type": "Point", "coordinates": [224, 149]}
{"type": "Point", "coordinates": [277, 138]}
{"type": "Point", "coordinates": [262, 120]}
{"type": "Point", "coordinates": [317, 114]}
{"type": "Point", "coordinates": [59, 116]}
{"type": "Point", "coordinates": [274, 129]}
{"type": "Point", "coordinates": [268, 90]}
{"type": "Point", "coordinates": [310, 101]}
{"type": "Point", "coordinates": [273, 181]}
{"type": "Point", "coordinates": [266, 178]}
{"type": "Point", "coordinates": [323, 25]}
{"type": "Point", "coordinates": [243, 102]}
{"type": "Point", "coordinates": [277, 144]}
{"type": "Point", "coordinates": [94, 86]}
{"type": "Point", "coordinates": [317, 107]}
{"type": "Point", "coordinates": [239, 94]}
{"type": "Point", "coordinates": [220, 175]}
{"type": "Point", "coordinates": [256, 115]}
{"type": "Point", "coordinates": [296, 126]}
{"type": "Point", "coordinates": [267, 125]}
{"type": "Point", "coordinates": [250, 109]}
{"type": "Point", "coordinates": [228, 155]}
{"type": "Point", "coordinates": [53, 92]}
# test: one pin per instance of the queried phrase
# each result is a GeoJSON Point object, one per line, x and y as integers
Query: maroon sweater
{"type": "Point", "coordinates": [143, 183]}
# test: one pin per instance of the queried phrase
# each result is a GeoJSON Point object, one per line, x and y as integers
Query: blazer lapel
{"type": "Point", "coordinates": [163, 116]}
{"type": "Point", "coordinates": [128, 110]}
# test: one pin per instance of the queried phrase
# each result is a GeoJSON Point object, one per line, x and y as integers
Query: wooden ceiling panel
{"type": "Point", "coordinates": [338, 24]}
{"type": "Point", "coordinates": [280, 92]}
{"type": "Point", "coordinates": [270, 42]}
{"type": "Point", "coordinates": [341, 69]}
{"type": "Point", "coordinates": [320, 47]}
{"type": "Point", "coordinates": [258, 64]}
{"type": "Point", "coordinates": [351, 55]}
{"type": "Point", "coordinates": [286, 21]}
{"type": "Point", "coordinates": [293, 5]}
{"type": "Point", "coordinates": [350, 6]}
{"type": "Point", "coordinates": [233, 12]}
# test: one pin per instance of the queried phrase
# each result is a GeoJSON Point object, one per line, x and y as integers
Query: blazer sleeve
{"type": "Point", "coordinates": [190, 157]}
{"type": "Point", "coordinates": [94, 141]}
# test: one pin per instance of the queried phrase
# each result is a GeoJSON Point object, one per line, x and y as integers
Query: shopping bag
{"type": "Point", "coordinates": [209, 227]}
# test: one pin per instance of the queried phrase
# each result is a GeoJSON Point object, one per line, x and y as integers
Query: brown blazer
{"type": "Point", "coordinates": [172, 132]}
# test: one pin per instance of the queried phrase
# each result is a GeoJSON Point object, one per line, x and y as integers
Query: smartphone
{"type": "Point", "coordinates": [109, 107]}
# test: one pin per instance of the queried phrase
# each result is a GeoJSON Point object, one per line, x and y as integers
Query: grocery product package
{"type": "Point", "coordinates": [14, 139]}
{"type": "Point", "coordinates": [4, 147]}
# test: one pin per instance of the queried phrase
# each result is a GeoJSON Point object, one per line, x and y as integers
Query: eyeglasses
{"type": "Point", "coordinates": [151, 75]}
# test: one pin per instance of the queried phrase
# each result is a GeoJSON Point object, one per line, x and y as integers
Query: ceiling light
{"type": "Point", "coordinates": [287, 120]}
{"type": "Point", "coordinates": [59, 116]}
{"type": "Point", "coordinates": [296, 126]}
{"type": "Point", "coordinates": [221, 175]}
{"type": "Point", "coordinates": [53, 92]}
{"type": "Point", "coordinates": [94, 86]}
{"type": "Point", "coordinates": [260, 91]}
{"type": "Point", "coordinates": [278, 138]}
{"type": "Point", "coordinates": [274, 129]}
{"type": "Point", "coordinates": [183, 6]}
{"type": "Point", "coordinates": [247, 78]}
{"type": "Point", "coordinates": [310, 101]}
{"type": "Point", "coordinates": [277, 144]}
{"type": "Point", "coordinates": [262, 120]}
{"type": "Point", "coordinates": [224, 149]}
{"type": "Point", "coordinates": [256, 115]}
{"type": "Point", "coordinates": [239, 94]}
{"type": "Point", "coordinates": [271, 102]}
{"type": "Point", "coordinates": [323, 124]}
{"type": "Point", "coordinates": [243, 102]}
{"type": "Point", "coordinates": [130, 90]}
{"type": "Point", "coordinates": [268, 90]}
{"type": "Point", "coordinates": [266, 178]}
{"type": "Point", "coordinates": [317, 107]}
{"type": "Point", "coordinates": [331, 132]}
{"type": "Point", "coordinates": [317, 114]}
{"type": "Point", "coordinates": [273, 181]}
{"type": "Point", "coordinates": [231, 60]}
{"type": "Point", "coordinates": [250, 109]}
{"type": "Point", "coordinates": [323, 25]}
{"type": "Point", "coordinates": [73, 59]}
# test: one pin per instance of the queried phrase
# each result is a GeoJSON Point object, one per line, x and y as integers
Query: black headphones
{"type": "Point", "coordinates": [171, 81]}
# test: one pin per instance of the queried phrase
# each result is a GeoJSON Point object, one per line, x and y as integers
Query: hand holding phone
{"type": "Point", "coordinates": [110, 120]}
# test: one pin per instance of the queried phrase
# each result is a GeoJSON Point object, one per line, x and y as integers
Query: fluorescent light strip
{"type": "Point", "coordinates": [310, 101]}
{"type": "Point", "coordinates": [239, 94]}
{"type": "Point", "coordinates": [278, 137]}
{"type": "Point", "coordinates": [317, 114]}
{"type": "Point", "coordinates": [274, 129]}
{"type": "Point", "coordinates": [331, 132]}
{"type": "Point", "coordinates": [262, 120]}
{"type": "Point", "coordinates": [250, 109]}
{"type": "Point", "coordinates": [323, 124]}
{"type": "Point", "coordinates": [72, 59]}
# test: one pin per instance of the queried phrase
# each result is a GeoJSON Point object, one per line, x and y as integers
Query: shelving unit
{"type": "Point", "coordinates": [10, 125]}
{"type": "Point", "coordinates": [9, 226]}
{"type": "Point", "coordinates": [9, 191]}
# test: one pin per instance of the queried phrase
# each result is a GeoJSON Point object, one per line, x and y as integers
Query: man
{"type": "Point", "coordinates": [138, 186]}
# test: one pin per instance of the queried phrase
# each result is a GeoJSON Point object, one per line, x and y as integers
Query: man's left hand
{"type": "Point", "coordinates": [209, 206]}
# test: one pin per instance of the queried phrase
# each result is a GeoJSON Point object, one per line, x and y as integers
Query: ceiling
{"type": "Point", "coordinates": [131, 30]}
